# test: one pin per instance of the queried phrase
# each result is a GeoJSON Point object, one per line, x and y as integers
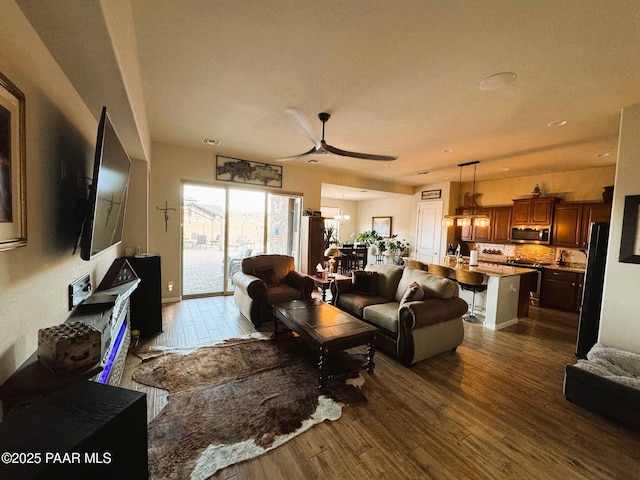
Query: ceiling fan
{"type": "Point", "coordinates": [320, 145]}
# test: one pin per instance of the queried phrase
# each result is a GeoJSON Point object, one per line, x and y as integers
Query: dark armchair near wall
{"type": "Point", "coordinates": [265, 280]}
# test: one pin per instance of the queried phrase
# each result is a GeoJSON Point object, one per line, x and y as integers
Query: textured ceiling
{"type": "Point", "coordinates": [399, 78]}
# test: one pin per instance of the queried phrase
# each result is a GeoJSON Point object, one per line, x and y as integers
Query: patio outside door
{"type": "Point", "coordinates": [222, 226]}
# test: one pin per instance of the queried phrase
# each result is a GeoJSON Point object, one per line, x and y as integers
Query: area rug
{"type": "Point", "coordinates": [234, 401]}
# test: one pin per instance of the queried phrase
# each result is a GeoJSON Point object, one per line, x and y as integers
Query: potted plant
{"type": "Point", "coordinates": [397, 248]}
{"type": "Point", "coordinates": [368, 237]}
{"type": "Point", "coordinates": [329, 237]}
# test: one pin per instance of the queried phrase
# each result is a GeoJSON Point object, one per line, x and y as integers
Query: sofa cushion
{"type": "Point", "coordinates": [384, 315]}
{"type": "Point", "coordinates": [267, 275]}
{"type": "Point", "coordinates": [433, 286]}
{"type": "Point", "coordinates": [365, 283]}
{"type": "Point", "coordinates": [282, 293]}
{"type": "Point", "coordinates": [388, 278]}
{"type": "Point", "coordinates": [412, 293]}
{"type": "Point", "coordinates": [355, 303]}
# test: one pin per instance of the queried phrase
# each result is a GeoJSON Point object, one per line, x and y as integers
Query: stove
{"type": "Point", "coordinates": [534, 296]}
{"type": "Point", "coordinates": [520, 262]}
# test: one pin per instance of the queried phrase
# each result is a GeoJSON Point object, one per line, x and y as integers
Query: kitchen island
{"type": "Point", "coordinates": [507, 295]}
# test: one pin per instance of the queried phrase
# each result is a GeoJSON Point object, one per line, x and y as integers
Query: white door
{"type": "Point", "coordinates": [429, 230]}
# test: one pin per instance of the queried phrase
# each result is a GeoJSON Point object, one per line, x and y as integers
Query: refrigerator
{"type": "Point", "coordinates": [589, 323]}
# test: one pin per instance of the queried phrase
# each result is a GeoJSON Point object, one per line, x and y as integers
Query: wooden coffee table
{"type": "Point", "coordinates": [325, 329]}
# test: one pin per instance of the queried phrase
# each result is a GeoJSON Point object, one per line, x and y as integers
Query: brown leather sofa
{"type": "Point", "coordinates": [410, 330]}
{"type": "Point", "coordinates": [265, 280]}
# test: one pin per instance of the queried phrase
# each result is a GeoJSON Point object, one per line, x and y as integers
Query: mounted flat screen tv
{"type": "Point", "coordinates": [104, 222]}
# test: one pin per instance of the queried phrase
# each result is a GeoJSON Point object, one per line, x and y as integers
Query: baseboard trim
{"type": "Point", "coordinates": [502, 325]}
{"type": "Point", "coordinates": [171, 299]}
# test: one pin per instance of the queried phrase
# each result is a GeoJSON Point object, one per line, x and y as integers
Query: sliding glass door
{"type": "Point", "coordinates": [221, 226]}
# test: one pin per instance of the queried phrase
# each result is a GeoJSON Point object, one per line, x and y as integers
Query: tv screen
{"type": "Point", "coordinates": [104, 223]}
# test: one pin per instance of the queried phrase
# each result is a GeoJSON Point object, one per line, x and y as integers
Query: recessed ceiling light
{"type": "Point", "coordinates": [364, 191]}
{"type": "Point", "coordinates": [424, 172]}
{"type": "Point", "coordinates": [605, 154]}
{"type": "Point", "coordinates": [210, 141]}
{"type": "Point", "coordinates": [498, 81]}
{"type": "Point", "coordinates": [447, 150]}
{"type": "Point", "coordinates": [504, 169]}
{"type": "Point", "coordinates": [557, 123]}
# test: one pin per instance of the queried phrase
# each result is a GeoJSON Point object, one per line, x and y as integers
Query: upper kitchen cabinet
{"type": "Point", "coordinates": [498, 230]}
{"type": "Point", "coordinates": [572, 220]}
{"type": "Point", "coordinates": [533, 211]}
{"type": "Point", "coordinates": [501, 224]}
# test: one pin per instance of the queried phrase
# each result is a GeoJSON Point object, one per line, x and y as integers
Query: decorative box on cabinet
{"type": "Point", "coordinates": [93, 431]}
{"type": "Point", "coordinates": [311, 244]}
{"type": "Point", "coordinates": [146, 301]}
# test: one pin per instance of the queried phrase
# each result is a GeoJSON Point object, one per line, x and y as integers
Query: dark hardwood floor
{"type": "Point", "coordinates": [493, 409]}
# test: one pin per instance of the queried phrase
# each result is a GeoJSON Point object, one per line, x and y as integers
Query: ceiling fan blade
{"type": "Point", "coordinates": [293, 157]}
{"type": "Point", "coordinates": [304, 126]}
{"type": "Point", "coordinates": [365, 156]}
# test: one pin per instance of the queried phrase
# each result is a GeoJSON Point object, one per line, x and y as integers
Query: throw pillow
{"type": "Point", "coordinates": [268, 276]}
{"type": "Point", "coordinates": [412, 293]}
{"type": "Point", "coordinates": [365, 283]}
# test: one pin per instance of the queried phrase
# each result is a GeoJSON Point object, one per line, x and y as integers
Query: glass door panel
{"type": "Point", "coordinates": [203, 237]}
{"type": "Point", "coordinates": [246, 214]}
{"type": "Point", "coordinates": [283, 225]}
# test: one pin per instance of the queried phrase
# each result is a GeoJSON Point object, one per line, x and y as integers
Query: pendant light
{"type": "Point", "coordinates": [466, 220]}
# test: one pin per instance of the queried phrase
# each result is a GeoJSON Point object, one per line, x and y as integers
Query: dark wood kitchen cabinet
{"type": "Point", "coordinates": [501, 224]}
{"type": "Point", "coordinates": [533, 211]}
{"type": "Point", "coordinates": [561, 289]}
{"type": "Point", "coordinates": [572, 221]}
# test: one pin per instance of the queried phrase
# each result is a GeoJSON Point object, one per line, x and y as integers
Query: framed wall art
{"type": "Point", "coordinates": [13, 195]}
{"type": "Point", "coordinates": [382, 226]}
{"type": "Point", "coordinates": [244, 171]}
{"type": "Point", "coordinates": [630, 242]}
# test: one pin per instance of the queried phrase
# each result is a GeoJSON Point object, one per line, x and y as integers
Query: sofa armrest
{"type": "Point", "coordinates": [301, 282]}
{"type": "Point", "coordinates": [252, 285]}
{"type": "Point", "coordinates": [423, 313]}
{"type": "Point", "coordinates": [337, 287]}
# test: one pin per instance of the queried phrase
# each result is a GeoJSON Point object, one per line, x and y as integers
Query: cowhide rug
{"type": "Point", "coordinates": [236, 400]}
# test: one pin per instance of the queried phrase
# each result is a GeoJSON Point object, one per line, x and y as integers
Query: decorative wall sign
{"type": "Point", "coordinates": [431, 194]}
{"type": "Point", "coordinates": [630, 242]}
{"type": "Point", "coordinates": [243, 171]}
{"type": "Point", "coordinates": [382, 226]}
{"type": "Point", "coordinates": [13, 190]}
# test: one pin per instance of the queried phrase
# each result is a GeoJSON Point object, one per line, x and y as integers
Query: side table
{"type": "Point", "coordinates": [324, 282]}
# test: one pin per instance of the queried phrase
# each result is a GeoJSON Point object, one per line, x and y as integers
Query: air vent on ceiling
{"type": "Point", "coordinates": [209, 141]}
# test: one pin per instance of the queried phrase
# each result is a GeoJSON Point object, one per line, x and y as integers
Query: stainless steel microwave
{"type": "Point", "coordinates": [537, 235]}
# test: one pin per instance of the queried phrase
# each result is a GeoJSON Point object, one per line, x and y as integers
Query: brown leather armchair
{"type": "Point", "coordinates": [265, 280]}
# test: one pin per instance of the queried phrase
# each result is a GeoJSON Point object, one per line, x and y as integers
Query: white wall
{"type": "Point", "coordinates": [59, 129]}
{"type": "Point", "coordinates": [620, 321]}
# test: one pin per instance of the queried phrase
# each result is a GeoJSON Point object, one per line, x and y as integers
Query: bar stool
{"type": "Point", "coordinates": [438, 270]}
{"type": "Point", "coordinates": [471, 282]}
{"type": "Point", "coordinates": [418, 265]}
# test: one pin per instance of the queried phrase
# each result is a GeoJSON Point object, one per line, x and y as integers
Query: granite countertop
{"type": "Point", "coordinates": [493, 269]}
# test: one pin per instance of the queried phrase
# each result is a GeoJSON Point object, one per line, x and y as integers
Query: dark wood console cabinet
{"type": "Point", "coordinates": [146, 301]}
{"type": "Point", "coordinates": [311, 244]}
{"type": "Point", "coordinates": [100, 430]}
